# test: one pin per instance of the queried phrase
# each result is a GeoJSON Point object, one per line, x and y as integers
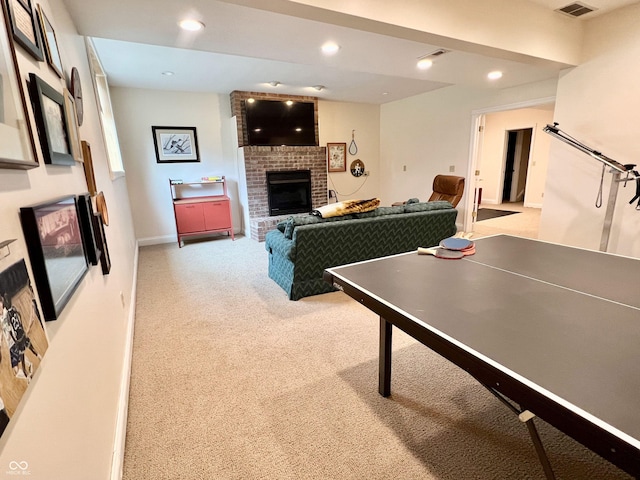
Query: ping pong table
{"type": "Point", "coordinates": [552, 331]}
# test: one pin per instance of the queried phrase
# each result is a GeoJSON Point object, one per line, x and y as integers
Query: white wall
{"type": "Point", "coordinates": [136, 111]}
{"type": "Point", "coordinates": [336, 121]}
{"type": "Point", "coordinates": [65, 426]}
{"type": "Point", "coordinates": [597, 103]}
{"type": "Point", "coordinates": [430, 133]}
{"type": "Point", "coordinates": [491, 162]}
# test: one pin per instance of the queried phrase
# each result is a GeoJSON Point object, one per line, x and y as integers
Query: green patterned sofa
{"type": "Point", "coordinates": [301, 247]}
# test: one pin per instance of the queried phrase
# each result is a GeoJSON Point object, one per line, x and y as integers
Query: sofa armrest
{"type": "Point", "coordinates": [276, 243]}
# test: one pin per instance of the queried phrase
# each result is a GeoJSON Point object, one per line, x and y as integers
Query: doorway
{"type": "Point", "coordinates": [516, 164]}
{"type": "Point", "coordinates": [486, 178]}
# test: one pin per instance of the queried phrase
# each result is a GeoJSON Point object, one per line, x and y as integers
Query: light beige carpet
{"type": "Point", "coordinates": [233, 381]}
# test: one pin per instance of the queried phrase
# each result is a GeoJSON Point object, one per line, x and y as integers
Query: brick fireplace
{"type": "Point", "coordinates": [256, 161]}
{"type": "Point", "coordinates": [260, 160]}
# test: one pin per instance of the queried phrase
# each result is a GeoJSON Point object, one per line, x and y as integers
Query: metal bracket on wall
{"type": "Point", "coordinates": [5, 246]}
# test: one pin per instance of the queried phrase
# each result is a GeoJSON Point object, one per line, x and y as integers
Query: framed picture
{"type": "Point", "coordinates": [17, 149]}
{"type": "Point", "coordinates": [72, 124]}
{"type": "Point", "coordinates": [101, 239]}
{"type": "Point", "coordinates": [89, 237]}
{"type": "Point", "coordinates": [50, 43]}
{"type": "Point", "coordinates": [48, 106]}
{"type": "Point", "coordinates": [24, 27]}
{"type": "Point", "coordinates": [88, 168]}
{"type": "Point", "coordinates": [25, 337]}
{"type": "Point", "coordinates": [175, 144]}
{"type": "Point", "coordinates": [54, 242]}
{"type": "Point", "coordinates": [337, 157]}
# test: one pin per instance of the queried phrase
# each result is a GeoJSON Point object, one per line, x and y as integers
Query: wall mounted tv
{"type": "Point", "coordinates": [276, 122]}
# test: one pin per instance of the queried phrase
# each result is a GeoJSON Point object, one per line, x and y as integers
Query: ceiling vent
{"type": "Point", "coordinates": [437, 53]}
{"type": "Point", "coordinates": [576, 9]}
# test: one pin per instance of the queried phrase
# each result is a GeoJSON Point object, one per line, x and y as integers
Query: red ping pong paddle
{"type": "Point", "coordinates": [441, 253]}
{"type": "Point", "coordinates": [469, 250]}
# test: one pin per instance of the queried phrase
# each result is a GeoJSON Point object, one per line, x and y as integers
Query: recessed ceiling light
{"type": "Point", "coordinates": [191, 25]}
{"type": "Point", "coordinates": [251, 100]}
{"type": "Point", "coordinates": [289, 102]}
{"type": "Point", "coordinates": [424, 63]}
{"type": "Point", "coordinates": [494, 75]}
{"type": "Point", "coordinates": [330, 48]}
{"type": "Point", "coordinates": [168, 73]}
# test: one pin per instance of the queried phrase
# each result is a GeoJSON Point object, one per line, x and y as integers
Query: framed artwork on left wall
{"type": "Point", "coordinates": [25, 333]}
{"type": "Point", "coordinates": [51, 120]}
{"type": "Point", "coordinates": [50, 43]}
{"type": "Point", "coordinates": [25, 28]}
{"type": "Point", "coordinates": [54, 242]}
{"type": "Point", "coordinates": [17, 149]}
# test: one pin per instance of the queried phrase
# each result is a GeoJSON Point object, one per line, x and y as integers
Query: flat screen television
{"type": "Point", "coordinates": [275, 123]}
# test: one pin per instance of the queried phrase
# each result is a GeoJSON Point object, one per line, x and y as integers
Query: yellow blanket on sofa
{"type": "Point", "coordinates": [345, 208]}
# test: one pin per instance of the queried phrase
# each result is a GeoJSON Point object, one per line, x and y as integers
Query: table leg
{"type": "Point", "coordinates": [542, 455]}
{"type": "Point", "coordinates": [384, 367]}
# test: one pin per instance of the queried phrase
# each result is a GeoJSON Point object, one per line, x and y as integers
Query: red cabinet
{"type": "Point", "coordinates": [201, 214]}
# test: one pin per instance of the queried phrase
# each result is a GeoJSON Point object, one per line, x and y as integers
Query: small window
{"type": "Point", "coordinates": [109, 132]}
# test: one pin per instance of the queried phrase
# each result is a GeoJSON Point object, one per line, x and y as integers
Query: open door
{"type": "Point", "coordinates": [516, 164]}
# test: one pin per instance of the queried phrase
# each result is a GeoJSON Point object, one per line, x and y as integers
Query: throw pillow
{"type": "Point", "coordinates": [346, 207]}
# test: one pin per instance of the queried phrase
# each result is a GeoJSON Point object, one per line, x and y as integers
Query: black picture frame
{"type": "Point", "coordinates": [18, 149]}
{"type": "Point", "coordinates": [25, 28]}
{"type": "Point", "coordinates": [175, 144]}
{"type": "Point", "coordinates": [58, 259]}
{"type": "Point", "coordinates": [89, 237]}
{"type": "Point", "coordinates": [51, 120]}
{"type": "Point", "coordinates": [50, 43]}
{"type": "Point", "coordinates": [101, 239]}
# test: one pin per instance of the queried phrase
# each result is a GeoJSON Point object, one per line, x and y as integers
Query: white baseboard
{"type": "Point", "coordinates": [117, 459]}
{"type": "Point", "coordinates": [145, 242]}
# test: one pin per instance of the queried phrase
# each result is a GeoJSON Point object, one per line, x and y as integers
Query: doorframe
{"type": "Point", "coordinates": [475, 143]}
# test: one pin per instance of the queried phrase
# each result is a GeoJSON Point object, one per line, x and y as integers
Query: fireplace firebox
{"type": "Point", "coordinates": [289, 191]}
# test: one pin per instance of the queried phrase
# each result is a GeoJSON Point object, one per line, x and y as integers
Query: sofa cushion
{"type": "Point", "coordinates": [294, 221]}
{"type": "Point", "coordinates": [389, 210]}
{"type": "Point", "coordinates": [427, 206]}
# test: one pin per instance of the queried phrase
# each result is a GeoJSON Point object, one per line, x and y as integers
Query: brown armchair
{"type": "Point", "coordinates": [447, 187]}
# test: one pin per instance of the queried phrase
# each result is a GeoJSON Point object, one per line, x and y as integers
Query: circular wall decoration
{"type": "Point", "coordinates": [357, 168]}
{"type": "Point", "coordinates": [76, 91]}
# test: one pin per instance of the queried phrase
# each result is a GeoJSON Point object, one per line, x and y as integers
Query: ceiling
{"type": "Point", "coordinates": [244, 48]}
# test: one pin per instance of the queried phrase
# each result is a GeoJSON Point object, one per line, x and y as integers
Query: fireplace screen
{"type": "Point", "coordinates": [289, 192]}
